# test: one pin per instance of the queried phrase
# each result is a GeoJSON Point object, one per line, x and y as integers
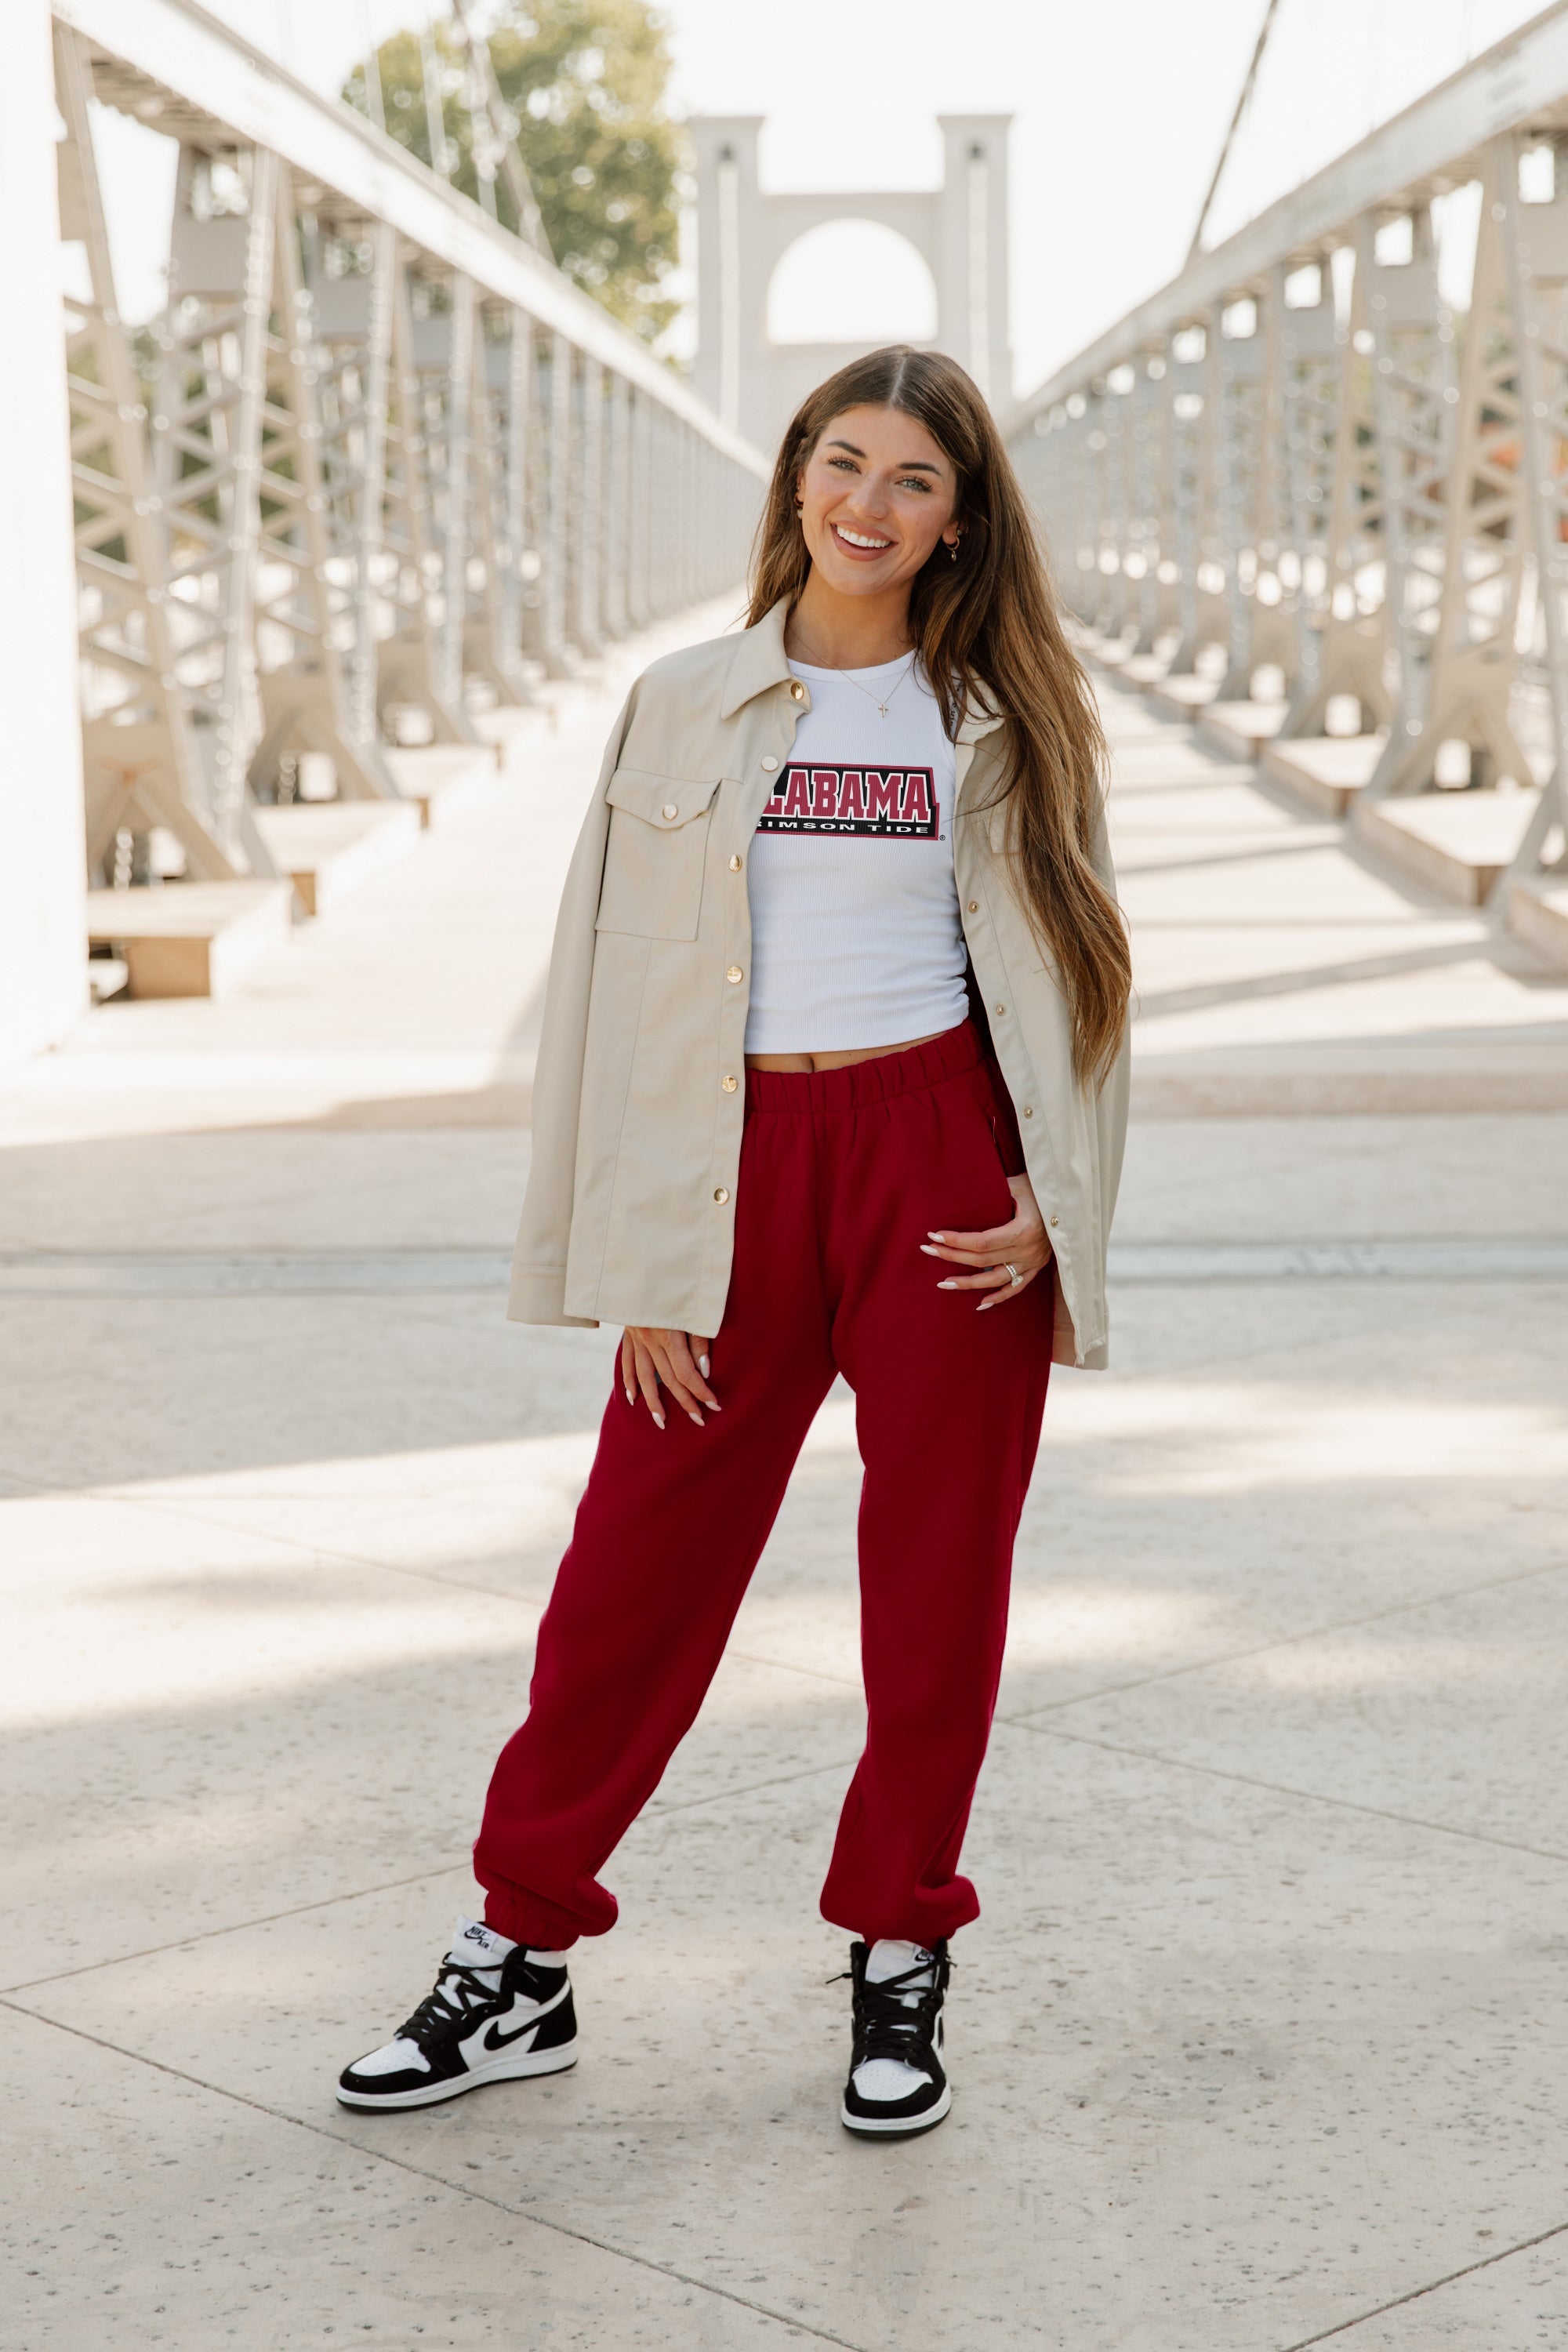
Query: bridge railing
{"type": "Point", "coordinates": [1305, 473]}
{"type": "Point", "coordinates": [377, 450]}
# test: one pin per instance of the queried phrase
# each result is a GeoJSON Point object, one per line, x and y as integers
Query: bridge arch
{"type": "Point", "coordinates": [853, 276]}
{"type": "Point", "coordinates": [754, 364]}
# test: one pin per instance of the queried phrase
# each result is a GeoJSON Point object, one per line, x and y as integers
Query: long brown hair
{"type": "Point", "coordinates": [986, 627]}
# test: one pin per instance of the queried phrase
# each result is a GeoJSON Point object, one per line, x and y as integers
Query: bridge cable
{"type": "Point", "coordinates": [503, 130]}
{"type": "Point", "coordinates": [1242, 103]}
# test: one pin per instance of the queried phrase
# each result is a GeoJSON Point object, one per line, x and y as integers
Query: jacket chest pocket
{"type": "Point", "coordinates": [656, 853]}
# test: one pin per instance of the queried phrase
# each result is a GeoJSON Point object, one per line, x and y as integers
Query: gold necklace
{"type": "Point", "coordinates": [853, 680]}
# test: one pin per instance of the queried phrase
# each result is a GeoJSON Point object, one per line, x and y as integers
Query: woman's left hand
{"type": "Point", "coordinates": [1022, 1244]}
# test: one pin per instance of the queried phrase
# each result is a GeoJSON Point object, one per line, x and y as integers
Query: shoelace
{"type": "Point", "coordinates": [889, 2022]}
{"type": "Point", "coordinates": [440, 2011]}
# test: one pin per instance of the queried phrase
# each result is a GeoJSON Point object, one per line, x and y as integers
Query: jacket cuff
{"type": "Point", "coordinates": [1064, 1343]}
{"type": "Point", "coordinates": [538, 1294]}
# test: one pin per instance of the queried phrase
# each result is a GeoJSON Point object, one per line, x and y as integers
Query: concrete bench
{"type": "Point", "coordinates": [1237, 731]}
{"type": "Point", "coordinates": [106, 978]}
{"type": "Point", "coordinates": [1537, 913]}
{"type": "Point", "coordinates": [440, 778]}
{"type": "Point", "coordinates": [1456, 843]}
{"type": "Point", "coordinates": [511, 727]}
{"type": "Point", "coordinates": [1182, 698]}
{"type": "Point", "coordinates": [1326, 772]}
{"type": "Point", "coordinates": [328, 848]}
{"type": "Point", "coordinates": [189, 939]}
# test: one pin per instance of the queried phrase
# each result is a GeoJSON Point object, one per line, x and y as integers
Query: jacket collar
{"type": "Point", "coordinates": [760, 661]}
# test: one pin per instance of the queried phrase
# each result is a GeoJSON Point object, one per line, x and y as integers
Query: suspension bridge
{"type": "Point", "coordinates": [330, 582]}
{"type": "Point", "coordinates": [1316, 493]}
{"type": "Point", "coordinates": [384, 465]}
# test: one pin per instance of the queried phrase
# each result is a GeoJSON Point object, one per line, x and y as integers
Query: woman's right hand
{"type": "Point", "coordinates": [652, 1357]}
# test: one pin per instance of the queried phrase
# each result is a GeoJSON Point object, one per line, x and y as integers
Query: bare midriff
{"type": "Point", "coordinates": [838, 1057]}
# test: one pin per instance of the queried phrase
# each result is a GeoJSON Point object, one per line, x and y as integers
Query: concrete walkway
{"type": "Point", "coordinates": [1263, 2039]}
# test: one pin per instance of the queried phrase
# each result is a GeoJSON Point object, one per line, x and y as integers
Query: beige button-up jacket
{"type": "Point", "coordinates": [639, 1089]}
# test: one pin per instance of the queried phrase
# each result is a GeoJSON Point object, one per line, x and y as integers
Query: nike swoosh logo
{"type": "Point", "coordinates": [494, 2038]}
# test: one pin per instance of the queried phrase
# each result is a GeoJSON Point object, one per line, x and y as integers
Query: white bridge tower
{"type": "Point", "coordinates": [959, 229]}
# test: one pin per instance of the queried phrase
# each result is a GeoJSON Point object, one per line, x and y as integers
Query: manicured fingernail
{"type": "Point", "coordinates": [928, 1250]}
{"type": "Point", "coordinates": [697, 1417]}
{"type": "Point", "coordinates": [934, 1237]}
{"type": "Point", "coordinates": [714, 1405]}
{"type": "Point", "coordinates": [703, 1366]}
{"type": "Point", "coordinates": [659, 1420]}
{"type": "Point", "coordinates": [947, 1285]}
{"type": "Point", "coordinates": [630, 1399]}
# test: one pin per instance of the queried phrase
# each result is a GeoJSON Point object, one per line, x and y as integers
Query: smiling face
{"type": "Point", "coordinates": [876, 493]}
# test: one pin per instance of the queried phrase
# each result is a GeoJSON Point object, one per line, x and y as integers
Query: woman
{"type": "Point", "coordinates": [832, 1079]}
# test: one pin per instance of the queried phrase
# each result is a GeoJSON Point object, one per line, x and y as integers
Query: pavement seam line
{"type": "Point", "coordinates": [1289, 1641]}
{"type": "Point", "coordinates": [159, 1508]}
{"type": "Point", "coordinates": [446, 1583]}
{"type": "Point", "coordinates": [232, 1927]}
{"type": "Point", "coordinates": [419, 2172]}
{"type": "Point", "coordinates": [389, 1886]}
{"type": "Point", "coordinates": [1398, 2302]}
{"type": "Point", "coordinates": [171, 1509]}
{"type": "Point", "coordinates": [1284, 1789]}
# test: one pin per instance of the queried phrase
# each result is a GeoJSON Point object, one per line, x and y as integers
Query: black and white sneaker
{"type": "Point", "coordinates": [498, 2010]}
{"type": "Point", "coordinates": [897, 2085]}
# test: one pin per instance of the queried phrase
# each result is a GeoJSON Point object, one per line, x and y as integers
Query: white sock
{"type": "Point", "coordinates": [485, 1948]}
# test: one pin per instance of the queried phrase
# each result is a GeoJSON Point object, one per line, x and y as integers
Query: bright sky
{"type": "Point", "coordinates": [1120, 108]}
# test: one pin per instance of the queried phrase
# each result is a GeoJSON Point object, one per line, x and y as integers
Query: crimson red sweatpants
{"type": "Point", "coordinates": [843, 1174]}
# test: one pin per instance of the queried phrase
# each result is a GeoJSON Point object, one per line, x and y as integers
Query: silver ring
{"type": "Point", "coordinates": [1009, 1268]}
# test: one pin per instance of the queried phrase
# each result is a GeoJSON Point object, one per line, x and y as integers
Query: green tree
{"type": "Point", "coordinates": [586, 81]}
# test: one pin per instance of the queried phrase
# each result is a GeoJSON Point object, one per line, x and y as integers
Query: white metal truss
{"type": "Point", "coordinates": [557, 476]}
{"type": "Point", "coordinates": [1336, 507]}
{"type": "Point", "coordinates": [1414, 405]}
{"type": "Point", "coordinates": [417, 668]}
{"type": "Point", "coordinates": [142, 765]}
{"type": "Point", "coordinates": [305, 611]}
{"type": "Point", "coordinates": [206, 431]}
{"type": "Point", "coordinates": [348, 500]}
{"type": "Point", "coordinates": [351, 272]}
{"type": "Point", "coordinates": [1356, 483]}
{"type": "Point", "coordinates": [587, 508]}
{"type": "Point", "coordinates": [1535, 258]}
{"type": "Point", "coordinates": [498, 542]}
{"type": "Point", "coordinates": [1193, 384]}
{"type": "Point", "coordinates": [1250, 442]}
{"type": "Point", "coordinates": [1150, 513]}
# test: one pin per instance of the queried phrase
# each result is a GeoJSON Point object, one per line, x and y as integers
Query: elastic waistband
{"type": "Point", "coordinates": [879, 1080]}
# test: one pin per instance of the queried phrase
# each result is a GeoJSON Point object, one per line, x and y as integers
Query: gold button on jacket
{"type": "Point", "coordinates": [648, 995]}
